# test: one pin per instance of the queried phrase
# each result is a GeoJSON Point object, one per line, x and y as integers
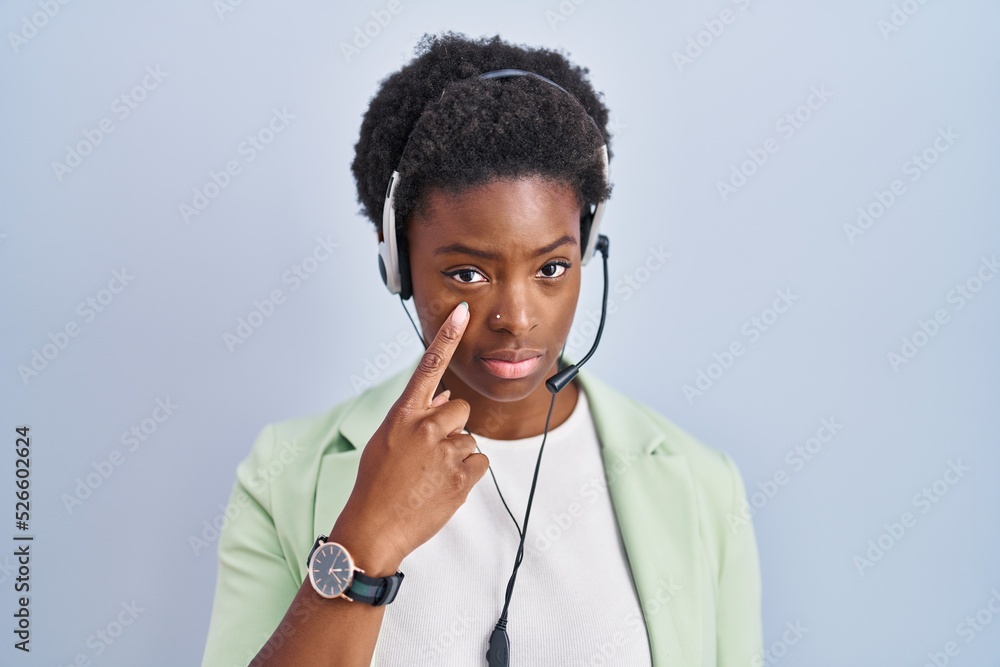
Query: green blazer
{"type": "Point", "coordinates": [680, 505]}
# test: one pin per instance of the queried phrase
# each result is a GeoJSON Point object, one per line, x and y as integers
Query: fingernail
{"type": "Point", "coordinates": [460, 313]}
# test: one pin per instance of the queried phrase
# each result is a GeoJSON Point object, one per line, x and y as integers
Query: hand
{"type": "Point", "coordinates": [418, 467]}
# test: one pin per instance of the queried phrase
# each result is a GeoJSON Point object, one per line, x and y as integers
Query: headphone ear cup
{"type": "Point", "coordinates": [385, 268]}
{"type": "Point", "coordinates": [405, 286]}
{"type": "Point", "coordinates": [381, 263]}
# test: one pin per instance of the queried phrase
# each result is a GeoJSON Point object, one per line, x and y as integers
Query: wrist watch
{"type": "Point", "coordinates": [333, 574]}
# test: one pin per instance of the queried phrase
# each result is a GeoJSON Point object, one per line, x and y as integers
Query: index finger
{"type": "Point", "coordinates": [419, 391]}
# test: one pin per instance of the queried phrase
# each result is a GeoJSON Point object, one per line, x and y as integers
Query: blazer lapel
{"type": "Point", "coordinates": [651, 490]}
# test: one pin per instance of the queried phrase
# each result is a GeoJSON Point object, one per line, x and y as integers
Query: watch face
{"type": "Point", "coordinates": [331, 570]}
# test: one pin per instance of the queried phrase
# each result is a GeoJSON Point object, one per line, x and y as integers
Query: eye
{"type": "Point", "coordinates": [457, 273]}
{"type": "Point", "coordinates": [555, 266]}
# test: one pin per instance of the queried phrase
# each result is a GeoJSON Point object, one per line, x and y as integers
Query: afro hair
{"type": "Point", "coordinates": [460, 132]}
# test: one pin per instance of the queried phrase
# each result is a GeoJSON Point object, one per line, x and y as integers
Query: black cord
{"type": "Point", "coordinates": [527, 514]}
{"type": "Point", "coordinates": [498, 653]}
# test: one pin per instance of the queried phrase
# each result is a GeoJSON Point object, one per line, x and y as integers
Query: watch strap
{"type": "Point", "coordinates": [376, 591]}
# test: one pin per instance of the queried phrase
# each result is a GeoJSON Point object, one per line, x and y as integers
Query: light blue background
{"type": "Point", "coordinates": [678, 130]}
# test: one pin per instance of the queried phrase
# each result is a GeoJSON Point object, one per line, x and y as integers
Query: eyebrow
{"type": "Point", "coordinates": [487, 254]}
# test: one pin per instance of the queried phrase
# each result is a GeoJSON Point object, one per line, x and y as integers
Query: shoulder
{"type": "Point", "coordinates": [716, 477]}
{"type": "Point", "coordinates": [708, 463]}
{"type": "Point", "coordinates": [718, 485]}
{"type": "Point", "coordinates": [713, 469]}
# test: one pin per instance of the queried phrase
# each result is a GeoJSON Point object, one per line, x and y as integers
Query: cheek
{"type": "Point", "coordinates": [426, 296]}
{"type": "Point", "coordinates": [569, 307]}
{"type": "Point", "coordinates": [566, 323]}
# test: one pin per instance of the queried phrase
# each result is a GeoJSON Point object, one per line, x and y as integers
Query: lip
{"type": "Point", "coordinates": [511, 364]}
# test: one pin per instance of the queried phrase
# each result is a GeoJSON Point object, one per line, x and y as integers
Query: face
{"type": "Point", "coordinates": [510, 247]}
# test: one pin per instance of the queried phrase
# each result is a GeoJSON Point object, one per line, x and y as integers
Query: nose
{"type": "Point", "coordinates": [515, 306]}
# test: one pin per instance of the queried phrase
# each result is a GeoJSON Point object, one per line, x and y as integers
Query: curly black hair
{"type": "Point", "coordinates": [471, 132]}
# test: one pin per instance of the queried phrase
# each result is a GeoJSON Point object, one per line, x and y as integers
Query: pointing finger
{"type": "Point", "coordinates": [419, 391]}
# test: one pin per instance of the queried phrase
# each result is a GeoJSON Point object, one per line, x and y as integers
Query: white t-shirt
{"type": "Point", "coordinates": [573, 603]}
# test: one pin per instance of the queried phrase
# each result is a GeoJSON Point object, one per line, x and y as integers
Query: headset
{"type": "Point", "coordinates": [393, 265]}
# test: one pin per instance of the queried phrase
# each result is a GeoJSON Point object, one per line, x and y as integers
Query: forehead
{"type": "Point", "coordinates": [511, 213]}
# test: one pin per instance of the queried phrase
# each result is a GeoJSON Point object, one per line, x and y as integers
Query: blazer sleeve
{"type": "Point", "coordinates": [740, 637]}
{"type": "Point", "coordinates": [254, 585]}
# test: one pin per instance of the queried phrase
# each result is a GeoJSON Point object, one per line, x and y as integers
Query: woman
{"type": "Point", "coordinates": [367, 535]}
